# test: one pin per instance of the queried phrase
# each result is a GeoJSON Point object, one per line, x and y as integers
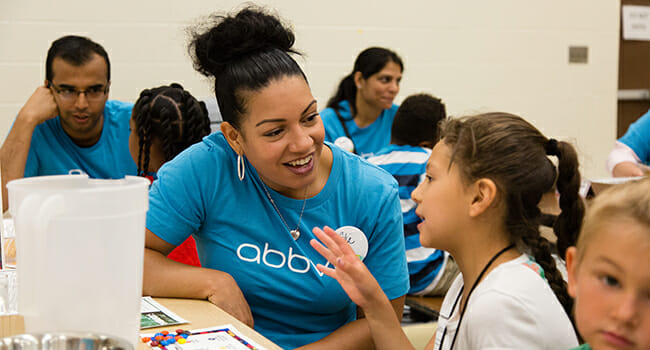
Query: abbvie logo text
{"type": "Point", "coordinates": [276, 259]}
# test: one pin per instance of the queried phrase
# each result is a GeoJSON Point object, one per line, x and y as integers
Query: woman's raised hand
{"type": "Point", "coordinates": [349, 270]}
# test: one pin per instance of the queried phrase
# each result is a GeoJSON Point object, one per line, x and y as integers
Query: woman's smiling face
{"type": "Point", "coordinates": [282, 135]}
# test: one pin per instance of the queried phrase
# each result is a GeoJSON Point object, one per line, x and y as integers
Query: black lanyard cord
{"type": "Point", "coordinates": [478, 279]}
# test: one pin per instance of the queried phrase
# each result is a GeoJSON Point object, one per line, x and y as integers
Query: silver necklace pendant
{"type": "Point", "coordinates": [295, 233]}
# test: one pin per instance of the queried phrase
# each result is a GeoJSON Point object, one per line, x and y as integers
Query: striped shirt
{"type": "Point", "coordinates": [408, 165]}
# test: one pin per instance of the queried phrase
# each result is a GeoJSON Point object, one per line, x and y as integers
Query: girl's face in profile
{"type": "Point", "coordinates": [282, 135]}
{"type": "Point", "coordinates": [442, 201]}
{"type": "Point", "coordinates": [611, 286]}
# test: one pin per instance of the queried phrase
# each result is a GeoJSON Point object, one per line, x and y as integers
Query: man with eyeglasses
{"type": "Point", "coordinates": [69, 123]}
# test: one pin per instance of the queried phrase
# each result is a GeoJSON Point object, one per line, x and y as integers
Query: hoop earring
{"type": "Point", "coordinates": [241, 167]}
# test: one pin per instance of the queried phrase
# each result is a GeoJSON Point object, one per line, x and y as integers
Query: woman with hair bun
{"type": "Point", "coordinates": [251, 193]}
{"type": "Point", "coordinates": [360, 114]}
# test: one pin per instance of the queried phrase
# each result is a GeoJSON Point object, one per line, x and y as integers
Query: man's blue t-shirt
{"type": "Point", "coordinates": [52, 151]}
{"type": "Point", "coordinates": [238, 231]}
{"type": "Point", "coordinates": [408, 165]}
{"type": "Point", "coordinates": [637, 137]}
{"type": "Point", "coordinates": [367, 140]}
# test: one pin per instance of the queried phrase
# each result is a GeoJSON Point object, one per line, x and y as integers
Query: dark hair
{"type": "Point", "coordinates": [172, 115]}
{"type": "Point", "coordinates": [243, 52]}
{"type": "Point", "coordinates": [416, 120]}
{"type": "Point", "coordinates": [369, 62]}
{"type": "Point", "coordinates": [75, 50]}
{"type": "Point", "coordinates": [513, 153]}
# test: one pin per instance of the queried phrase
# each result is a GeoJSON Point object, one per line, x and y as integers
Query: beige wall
{"type": "Point", "coordinates": [477, 55]}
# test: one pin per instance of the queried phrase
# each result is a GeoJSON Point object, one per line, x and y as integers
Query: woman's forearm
{"type": "Point", "coordinates": [163, 277]}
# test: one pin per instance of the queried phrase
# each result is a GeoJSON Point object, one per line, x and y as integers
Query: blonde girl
{"type": "Point", "coordinates": [608, 270]}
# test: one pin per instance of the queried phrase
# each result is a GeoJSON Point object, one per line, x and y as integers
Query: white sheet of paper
{"type": "Point", "coordinates": [152, 315]}
{"type": "Point", "coordinates": [636, 22]}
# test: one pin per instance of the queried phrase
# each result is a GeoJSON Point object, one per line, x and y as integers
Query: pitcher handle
{"type": "Point", "coordinates": [26, 221]}
{"type": "Point", "coordinates": [52, 206]}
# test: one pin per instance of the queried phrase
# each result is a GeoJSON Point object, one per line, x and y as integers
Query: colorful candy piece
{"type": "Point", "coordinates": [182, 341]}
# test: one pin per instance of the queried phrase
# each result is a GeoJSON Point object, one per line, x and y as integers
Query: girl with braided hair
{"type": "Point", "coordinates": [484, 180]}
{"type": "Point", "coordinates": [165, 121]}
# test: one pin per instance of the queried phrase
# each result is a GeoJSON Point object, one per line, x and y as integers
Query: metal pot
{"type": "Point", "coordinates": [64, 341]}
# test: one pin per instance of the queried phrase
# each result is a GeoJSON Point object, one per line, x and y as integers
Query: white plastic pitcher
{"type": "Point", "coordinates": [80, 249]}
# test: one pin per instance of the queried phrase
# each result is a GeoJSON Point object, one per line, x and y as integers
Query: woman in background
{"type": "Point", "coordinates": [165, 121]}
{"type": "Point", "coordinates": [359, 116]}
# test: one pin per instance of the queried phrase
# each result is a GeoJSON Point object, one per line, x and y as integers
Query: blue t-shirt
{"type": "Point", "coordinates": [52, 151]}
{"type": "Point", "coordinates": [408, 165]}
{"type": "Point", "coordinates": [637, 137]}
{"type": "Point", "coordinates": [367, 140]}
{"type": "Point", "coordinates": [238, 231]}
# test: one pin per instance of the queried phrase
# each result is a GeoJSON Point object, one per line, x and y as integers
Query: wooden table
{"type": "Point", "coordinates": [433, 303]}
{"type": "Point", "coordinates": [203, 314]}
{"type": "Point", "coordinates": [200, 313]}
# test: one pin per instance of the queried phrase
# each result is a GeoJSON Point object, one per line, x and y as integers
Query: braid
{"type": "Point", "coordinates": [145, 145]}
{"type": "Point", "coordinates": [523, 219]}
{"type": "Point", "coordinates": [141, 115]}
{"type": "Point", "coordinates": [540, 248]}
{"type": "Point", "coordinates": [173, 117]}
{"type": "Point", "coordinates": [568, 223]}
{"type": "Point", "coordinates": [196, 123]}
{"type": "Point", "coordinates": [166, 133]}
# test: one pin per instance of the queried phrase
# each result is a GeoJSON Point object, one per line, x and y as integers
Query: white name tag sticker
{"type": "Point", "coordinates": [356, 239]}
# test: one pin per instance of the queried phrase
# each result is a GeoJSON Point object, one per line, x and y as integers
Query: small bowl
{"type": "Point", "coordinates": [600, 185]}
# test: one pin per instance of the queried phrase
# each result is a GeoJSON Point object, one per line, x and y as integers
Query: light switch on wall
{"type": "Point", "coordinates": [578, 54]}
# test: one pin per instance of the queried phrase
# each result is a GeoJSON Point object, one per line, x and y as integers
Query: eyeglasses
{"type": "Point", "coordinates": [93, 93]}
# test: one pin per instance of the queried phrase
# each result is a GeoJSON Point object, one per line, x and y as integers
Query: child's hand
{"type": "Point", "coordinates": [349, 271]}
